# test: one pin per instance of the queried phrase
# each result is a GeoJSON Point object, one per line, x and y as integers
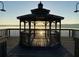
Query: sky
{"type": "Point", "coordinates": [18, 8]}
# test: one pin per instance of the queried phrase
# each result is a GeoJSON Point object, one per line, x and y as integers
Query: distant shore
{"type": "Point", "coordinates": [63, 26]}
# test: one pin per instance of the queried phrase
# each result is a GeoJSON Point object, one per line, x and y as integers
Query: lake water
{"type": "Point", "coordinates": [63, 33]}
{"type": "Point", "coordinates": [65, 26]}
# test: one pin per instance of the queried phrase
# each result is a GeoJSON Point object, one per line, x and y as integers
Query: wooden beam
{"type": "Point", "coordinates": [59, 31]}
{"type": "Point", "coordinates": [29, 40]}
{"type": "Point", "coordinates": [34, 28]}
{"type": "Point", "coordinates": [55, 24]}
{"type": "Point", "coordinates": [45, 28]}
{"type": "Point", "coordinates": [50, 32]}
{"type": "Point", "coordinates": [20, 26]}
{"type": "Point", "coordinates": [24, 26]}
{"type": "Point", "coordinates": [20, 41]}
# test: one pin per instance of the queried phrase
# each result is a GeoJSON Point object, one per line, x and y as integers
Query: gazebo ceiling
{"type": "Point", "coordinates": [40, 14]}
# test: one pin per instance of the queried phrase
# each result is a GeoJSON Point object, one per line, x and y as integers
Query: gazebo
{"type": "Point", "coordinates": [39, 37]}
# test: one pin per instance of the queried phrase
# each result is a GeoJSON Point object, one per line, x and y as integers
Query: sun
{"type": "Point", "coordinates": [41, 32]}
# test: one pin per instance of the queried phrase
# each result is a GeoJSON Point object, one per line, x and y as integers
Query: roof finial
{"type": "Point", "coordinates": [40, 5]}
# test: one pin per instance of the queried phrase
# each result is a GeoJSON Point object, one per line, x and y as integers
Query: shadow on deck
{"type": "Point", "coordinates": [55, 51]}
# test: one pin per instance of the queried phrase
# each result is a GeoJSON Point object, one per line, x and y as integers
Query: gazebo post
{"type": "Point", "coordinates": [45, 28]}
{"type": "Point", "coordinates": [24, 26]}
{"type": "Point", "coordinates": [20, 27]}
{"type": "Point", "coordinates": [45, 31]}
{"type": "Point", "coordinates": [20, 41]}
{"type": "Point", "coordinates": [29, 33]}
{"type": "Point", "coordinates": [34, 28]}
{"type": "Point", "coordinates": [55, 25]}
{"type": "Point", "coordinates": [59, 31]}
{"type": "Point", "coordinates": [50, 32]}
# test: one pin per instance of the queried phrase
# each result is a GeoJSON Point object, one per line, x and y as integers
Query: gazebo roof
{"type": "Point", "coordinates": [40, 14]}
{"type": "Point", "coordinates": [40, 10]}
{"type": "Point", "coordinates": [42, 17]}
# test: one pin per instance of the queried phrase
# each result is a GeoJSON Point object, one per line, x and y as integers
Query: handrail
{"type": "Point", "coordinates": [37, 29]}
{"type": "Point", "coordinates": [7, 31]}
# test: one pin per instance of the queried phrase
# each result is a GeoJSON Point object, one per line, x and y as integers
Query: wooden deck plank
{"type": "Point", "coordinates": [56, 51]}
{"type": "Point", "coordinates": [15, 50]}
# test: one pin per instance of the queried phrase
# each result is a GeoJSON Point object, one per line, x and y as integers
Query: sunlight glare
{"type": "Point", "coordinates": [41, 32]}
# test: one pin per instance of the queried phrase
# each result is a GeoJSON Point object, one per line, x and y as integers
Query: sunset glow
{"type": "Point", "coordinates": [16, 8]}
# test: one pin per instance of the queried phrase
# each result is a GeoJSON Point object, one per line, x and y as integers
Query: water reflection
{"type": "Point", "coordinates": [39, 42]}
{"type": "Point", "coordinates": [40, 39]}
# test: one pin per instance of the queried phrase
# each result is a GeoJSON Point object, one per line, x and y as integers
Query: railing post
{"type": "Point", "coordinates": [9, 32]}
{"type": "Point", "coordinates": [3, 49]}
{"type": "Point", "coordinates": [69, 33]}
{"type": "Point", "coordinates": [76, 39]}
{"type": "Point", "coordinates": [6, 33]}
{"type": "Point", "coordinates": [72, 33]}
{"type": "Point", "coordinates": [1, 33]}
{"type": "Point", "coordinates": [76, 51]}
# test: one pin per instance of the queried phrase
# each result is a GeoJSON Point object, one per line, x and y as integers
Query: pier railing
{"type": "Point", "coordinates": [14, 32]}
{"type": "Point", "coordinates": [3, 41]}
